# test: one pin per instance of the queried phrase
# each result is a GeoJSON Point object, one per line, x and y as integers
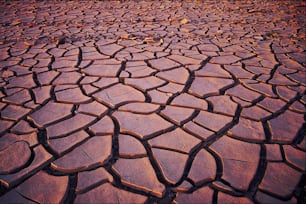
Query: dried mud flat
{"type": "Point", "coordinates": [152, 102]}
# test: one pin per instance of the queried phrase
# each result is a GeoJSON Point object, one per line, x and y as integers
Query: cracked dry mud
{"type": "Point", "coordinates": [152, 102]}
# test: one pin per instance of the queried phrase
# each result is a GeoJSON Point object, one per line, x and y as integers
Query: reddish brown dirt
{"type": "Point", "coordinates": [152, 102]}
